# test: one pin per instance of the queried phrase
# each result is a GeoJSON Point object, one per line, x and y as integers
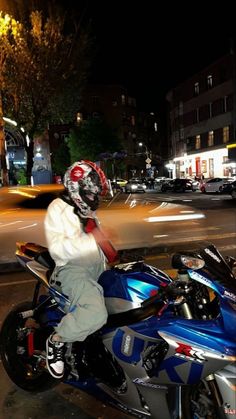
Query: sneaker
{"type": "Point", "coordinates": [55, 357]}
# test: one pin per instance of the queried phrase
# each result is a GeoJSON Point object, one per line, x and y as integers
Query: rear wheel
{"type": "Point", "coordinates": [22, 349]}
{"type": "Point", "coordinates": [197, 402]}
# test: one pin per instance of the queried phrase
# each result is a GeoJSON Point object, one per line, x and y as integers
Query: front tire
{"type": "Point", "coordinates": [197, 402]}
{"type": "Point", "coordinates": [27, 371]}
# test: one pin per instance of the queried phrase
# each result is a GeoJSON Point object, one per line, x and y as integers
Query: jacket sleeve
{"type": "Point", "coordinates": [65, 238]}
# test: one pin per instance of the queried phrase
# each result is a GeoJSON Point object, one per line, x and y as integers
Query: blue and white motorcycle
{"type": "Point", "coordinates": [168, 349]}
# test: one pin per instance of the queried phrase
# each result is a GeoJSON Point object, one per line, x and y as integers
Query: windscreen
{"type": "Point", "coordinates": [216, 264]}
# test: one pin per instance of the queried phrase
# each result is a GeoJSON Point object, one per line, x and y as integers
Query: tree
{"type": "Point", "coordinates": [9, 30]}
{"type": "Point", "coordinates": [93, 140]}
{"type": "Point", "coordinates": [61, 159]}
{"type": "Point", "coordinates": [45, 69]}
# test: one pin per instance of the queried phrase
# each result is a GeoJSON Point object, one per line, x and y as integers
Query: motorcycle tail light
{"type": "Point", "coordinates": [192, 263]}
{"type": "Point", "coordinates": [21, 246]}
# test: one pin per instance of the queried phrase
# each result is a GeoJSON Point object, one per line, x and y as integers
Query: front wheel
{"type": "Point", "coordinates": [197, 402]}
{"type": "Point", "coordinates": [22, 349]}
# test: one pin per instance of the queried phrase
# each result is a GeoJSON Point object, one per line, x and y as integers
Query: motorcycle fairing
{"type": "Point", "coordinates": [226, 290]}
{"type": "Point", "coordinates": [203, 347]}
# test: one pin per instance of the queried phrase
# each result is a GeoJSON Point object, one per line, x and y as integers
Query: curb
{"type": "Point", "coordinates": [10, 266]}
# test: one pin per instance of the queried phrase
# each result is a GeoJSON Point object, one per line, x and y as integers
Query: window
{"type": "Point", "coordinates": [79, 117]}
{"type": "Point", "coordinates": [225, 168]}
{"type": "Point", "coordinates": [198, 142]}
{"type": "Point", "coordinates": [197, 115]}
{"type": "Point", "coordinates": [155, 126]}
{"type": "Point", "coordinates": [204, 166]}
{"type": "Point", "coordinates": [123, 99]}
{"type": "Point", "coordinates": [114, 103]}
{"type": "Point", "coordinates": [225, 134]}
{"type": "Point", "coordinates": [209, 81]}
{"type": "Point", "coordinates": [133, 120]}
{"type": "Point", "coordinates": [211, 167]}
{"type": "Point", "coordinates": [210, 110]}
{"type": "Point", "coordinates": [210, 138]}
{"type": "Point", "coordinates": [196, 88]}
{"type": "Point", "coordinates": [225, 103]}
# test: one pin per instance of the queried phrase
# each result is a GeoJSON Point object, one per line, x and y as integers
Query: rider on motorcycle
{"type": "Point", "coordinates": [74, 242]}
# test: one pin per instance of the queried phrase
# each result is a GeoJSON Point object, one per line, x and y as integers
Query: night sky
{"type": "Point", "coordinates": [150, 46]}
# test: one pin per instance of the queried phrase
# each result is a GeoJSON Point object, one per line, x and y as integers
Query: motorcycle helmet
{"type": "Point", "coordinates": [84, 181]}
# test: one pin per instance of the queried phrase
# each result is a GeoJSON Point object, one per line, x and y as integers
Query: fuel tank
{"type": "Point", "coordinates": [127, 285]}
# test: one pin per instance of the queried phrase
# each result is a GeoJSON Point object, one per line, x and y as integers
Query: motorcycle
{"type": "Point", "coordinates": [168, 349]}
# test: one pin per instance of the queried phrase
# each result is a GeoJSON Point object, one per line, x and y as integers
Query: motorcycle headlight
{"type": "Point", "coordinates": [191, 262]}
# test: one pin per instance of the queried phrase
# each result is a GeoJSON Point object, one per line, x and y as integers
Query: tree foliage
{"type": "Point", "coordinates": [47, 59]}
{"type": "Point", "coordinates": [91, 139]}
{"type": "Point", "coordinates": [61, 159]}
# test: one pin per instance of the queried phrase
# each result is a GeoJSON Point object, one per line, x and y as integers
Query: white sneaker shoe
{"type": "Point", "coordinates": [55, 357]}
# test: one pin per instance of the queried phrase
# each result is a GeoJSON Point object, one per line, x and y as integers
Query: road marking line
{"type": "Point", "coordinates": [8, 224]}
{"type": "Point", "coordinates": [31, 225]}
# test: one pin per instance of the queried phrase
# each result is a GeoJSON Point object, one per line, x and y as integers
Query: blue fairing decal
{"type": "Point", "coordinates": [126, 347]}
{"type": "Point", "coordinates": [169, 365]}
{"type": "Point", "coordinates": [195, 373]}
{"type": "Point", "coordinates": [138, 290]}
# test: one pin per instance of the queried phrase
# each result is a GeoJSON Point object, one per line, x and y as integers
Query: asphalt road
{"type": "Point", "coordinates": [141, 225]}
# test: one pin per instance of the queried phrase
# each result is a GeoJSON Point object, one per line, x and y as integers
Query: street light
{"type": "Point", "coordinates": [148, 156]}
{"type": "Point", "coordinates": [148, 152]}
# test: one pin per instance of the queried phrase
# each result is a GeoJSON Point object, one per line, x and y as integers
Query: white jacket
{"type": "Point", "coordinates": [66, 240]}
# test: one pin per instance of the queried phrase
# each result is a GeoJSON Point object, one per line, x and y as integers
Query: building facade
{"type": "Point", "coordinates": [201, 122]}
{"type": "Point", "coordinates": [118, 109]}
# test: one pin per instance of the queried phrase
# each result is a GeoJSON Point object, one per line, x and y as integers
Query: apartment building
{"type": "Point", "coordinates": [201, 122]}
{"type": "Point", "coordinates": [114, 104]}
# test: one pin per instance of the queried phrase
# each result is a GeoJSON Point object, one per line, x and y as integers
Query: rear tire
{"type": "Point", "coordinates": [26, 371]}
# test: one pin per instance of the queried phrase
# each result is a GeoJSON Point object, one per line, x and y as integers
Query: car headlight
{"type": "Point", "coordinates": [134, 187]}
{"type": "Point", "coordinates": [144, 187]}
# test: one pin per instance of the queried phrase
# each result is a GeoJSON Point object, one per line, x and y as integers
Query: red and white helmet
{"type": "Point", "coordinates": [84, 182]}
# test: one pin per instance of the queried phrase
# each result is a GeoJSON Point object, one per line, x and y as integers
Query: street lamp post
{"type": "Point", "coordinates": [148, 156]}
{"type": "Point", "coordinates": [146, 149]}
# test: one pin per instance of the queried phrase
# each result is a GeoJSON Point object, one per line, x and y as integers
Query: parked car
{"type": "Point", "coordinates": [178, 185]}
{"type": "Point", "coordinates": [230, 188]}
{"type": "Point", "coordinates": [233, 193]}
{"type": "Point", "coordinates": [215, 184]}
{"type": "Point", "coordinates": [118, 184]}
{"type": "Point", "coordinates": [159, 181]}
{"type": "Point", "coordinates": [135, 185]}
